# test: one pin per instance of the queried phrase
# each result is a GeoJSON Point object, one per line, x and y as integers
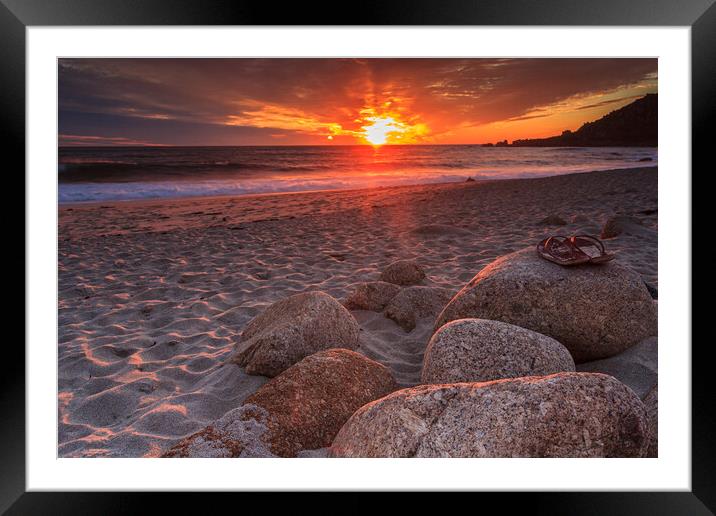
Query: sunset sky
{"type": "Point", "coordinates": [338, 101]}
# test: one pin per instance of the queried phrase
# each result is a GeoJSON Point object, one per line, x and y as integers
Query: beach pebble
{"type": "Point", "coordinates": [292, 329]}
{"type": "Point", "coordinates": [553, 220]}
{"type": "Point", "coordinates": [403, 272]}
{"type": "Point", "coordinates": [623, 224]}
{"type": "Point", "coordinates": [561, 415]}
{"type": "Point", "coordinates": [374, 296]}
{"type": "Point", "coordinates": [637, 367]}
{"type": "Point", "coordinates": [651, 402]}
{"type": "Point", "coordinates": [417, 302]}
{"type": "Point", "coordinates": [301, 409]}
{"type": "Point", "coordinates": [595, 311]}
{"type": "Point", "coordinates": [478, 350]}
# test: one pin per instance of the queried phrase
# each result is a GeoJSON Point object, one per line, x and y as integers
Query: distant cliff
{"type": "Point", "coordinates": [634, 125]}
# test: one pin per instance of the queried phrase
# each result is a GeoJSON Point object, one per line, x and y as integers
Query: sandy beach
{"type": "Point", "coordinates": [153, 295]}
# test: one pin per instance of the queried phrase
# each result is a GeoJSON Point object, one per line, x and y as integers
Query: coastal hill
{"type": "Point", "coordinates": [634, 125]}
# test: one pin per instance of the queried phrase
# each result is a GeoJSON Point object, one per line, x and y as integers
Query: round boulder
{"type": "Point", "coordinates": [561, 415]}
{"type": "Point", "coordinates": [595, 311]}
{"type": "Point", "coordinates": [292, 329]}
{"type": "Point", "coordinates": [374, 296]}
{"type": "Point", "coordinates": [414, 303]}
{"type": "Point", "coordinates": [403, 272]}
{"type": "Point", "coordinates": [301, 409]}
{"type": "Point", "coordinates": [478, 350]}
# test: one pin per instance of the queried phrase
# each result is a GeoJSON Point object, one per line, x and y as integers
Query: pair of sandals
{"type": "Point", "coordinates": [573, 250]}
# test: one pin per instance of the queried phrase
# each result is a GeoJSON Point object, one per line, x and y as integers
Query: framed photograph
{"type": "Point", "coordinates": [427, 248]}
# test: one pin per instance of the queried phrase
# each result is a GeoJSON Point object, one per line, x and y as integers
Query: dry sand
{"type": "Point", "coordinates": [153, 294]}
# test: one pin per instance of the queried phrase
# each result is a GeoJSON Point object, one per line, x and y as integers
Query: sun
{"type": "Point", "coordinates": [377, 132]}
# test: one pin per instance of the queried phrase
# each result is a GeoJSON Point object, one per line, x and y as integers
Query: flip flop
{"type": "Point", "coordinates": [560, 250]}
{"type": "Point", "coordinates": [587, 241]}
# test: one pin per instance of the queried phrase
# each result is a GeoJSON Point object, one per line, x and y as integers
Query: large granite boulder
{"type": "Point", "coordinates": [374, 296]}
{"type": "Point", "coordinates": [292, 329]}
{"type": "Point", "coordinates": [301, 409]}
{"type": "Point", "coordinates": [637, 367]}
{"type": "Point", "coordinates": [561, 415]}
{"type": "Point", "coordinates": [403, 272]}
{"type": "Point", "coordinates": [651, 402]}
{"type": "Point", "coordinates": [414, 303]}
{"type": "Point", "coordinates": [595, 311]}
{"type": "Point", "coordinates": [478, 350]}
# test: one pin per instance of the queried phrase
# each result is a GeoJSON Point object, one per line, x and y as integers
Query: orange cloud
{"type": "Point", "coordinates": [281, 117]}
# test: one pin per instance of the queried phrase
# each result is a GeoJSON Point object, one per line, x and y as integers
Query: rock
{"type": "Point", "coordinates": [637, 367]}
{"type": "Point", "coordinates": [415, 303]}
{"type": "Point", "coordinates": [320, 453]}
{"type": "Point", "coordinates": [373, 296]}
{"type": "Point", "coordinates": [292, 329]}
{"type": "Point", "coordinates": [651, 402]}
{"type": "Point", "coordinates": [301, 409]}
{"type": "Point", "coordinates": [469, 180]}
{"type": "Point", "coordinates": [623, 224]}
{"type": "Point", "coordinates": [561, 415]}
{"type": "Point", "coordinates": [238, 433]}
{"type": "Point", "coordinates": [595, 311]}
{"type": "Point", "coordinates": [478, 350]}
{"type": "Point", "coordinates": [440, 230]}
{"type": "Point", "coordinates": [403, 272]}
{"type": "Point", "coordinates": [553, 220]}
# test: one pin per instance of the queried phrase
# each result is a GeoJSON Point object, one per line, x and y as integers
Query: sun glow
{"type": "Point", "coordinates": [377, 132]}
{"type": "Point", "coordinates": [382, 129]}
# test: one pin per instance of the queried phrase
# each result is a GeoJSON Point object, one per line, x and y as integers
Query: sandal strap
{"type": "Point", "coordinates": [560, 240]}
{"type": "Point", "coordinates": [591, 240]}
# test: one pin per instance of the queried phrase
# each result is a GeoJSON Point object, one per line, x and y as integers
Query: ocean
{"type": "Point", "coordinates": [123, 173]}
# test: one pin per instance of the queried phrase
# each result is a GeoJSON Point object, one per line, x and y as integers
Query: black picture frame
{"type": "Point", "coordinates": [16, 15]}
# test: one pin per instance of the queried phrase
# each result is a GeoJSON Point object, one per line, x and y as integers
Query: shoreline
{"type": "Point", "coordinates": [79, 204]}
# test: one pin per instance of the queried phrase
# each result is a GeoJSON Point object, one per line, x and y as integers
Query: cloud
{"type": "Point", "coordinates": [309, 99]}
{"type": "Point", "coordinates": [100, 141]}
{"type": "Point", "coordinates": [280, 117]}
